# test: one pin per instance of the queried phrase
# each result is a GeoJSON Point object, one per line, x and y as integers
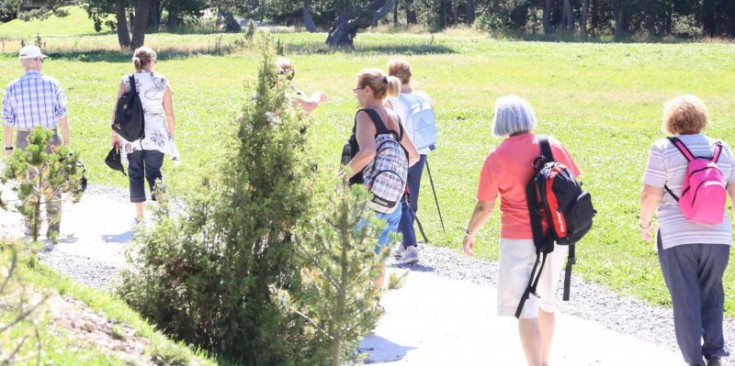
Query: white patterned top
{"type": "Point", "coordinates": [151, 88]}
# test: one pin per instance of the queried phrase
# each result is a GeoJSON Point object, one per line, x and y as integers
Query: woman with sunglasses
{"type": "Point", "coordinates": [371, 91]}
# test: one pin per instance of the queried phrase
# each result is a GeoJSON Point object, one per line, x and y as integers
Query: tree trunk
{"type": "Point", "coordinates": [651, 15]}
{"type": "Point", "coordinates": [308, 18]}
{"type": "Point", "coordinates": [567, 19]}
{"type": "Point", "coordinates": [154, 16]}
{"type": "Point", "coordinates": [123, 35]}
{"type": "Point", "coordinates": [708, 18]}
{"type": "Point", "coordinates": [595, 17]}
{"type": "Point", "coordinates": [262, 10]}
{"type": "Point", "coordinates": [231, 24]}
{"type": "Point", "coordinates": [444, 8]}
{"type": "Point", "coordinates": [141, 21]}
{"type": "Point", "coordinates": [548, 27]}
{"type": "Point", "coordinates": [621, 23]}
{"type": "Point", "coordinates": [345, 27]}
{"type": "Point", "coordinates": [583, 20]}
{"type": "Point", "coordinates": [410, 13]}
{"type": "Point", "coordinates": [174, 19]}
{"type": "Point", "coordinates": [470, 10]}
{"type": "Point", "coordinates": [728, 11]}
{"type": "Point", "coordinates": [395, 14]}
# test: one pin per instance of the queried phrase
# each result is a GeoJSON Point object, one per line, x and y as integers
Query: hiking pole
{"type": "Point", "coordinates": [435, 199]}
{"type": "Point", "coordinates": [415, 218]}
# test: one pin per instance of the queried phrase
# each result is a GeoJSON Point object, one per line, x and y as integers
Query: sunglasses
{"type": "Point", "coordinates": [356, 89]}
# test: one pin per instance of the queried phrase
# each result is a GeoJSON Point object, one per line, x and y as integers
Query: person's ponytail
{"type": "Point", "coordinates": [394, 87]}
{"type": "Point", "coordinates": [136, 62]}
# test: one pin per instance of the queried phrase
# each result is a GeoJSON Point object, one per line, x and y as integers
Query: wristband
{"type": "Point", "coordinates": [9, 148]}
{"type": "Point", "coordinates": [467, 232]}
{"type": "Point", "coordinates": [647, 227]}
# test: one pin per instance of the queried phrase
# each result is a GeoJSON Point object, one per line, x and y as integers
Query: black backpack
{"type": "Point", "coordinates": [129, 122]}
{"type": "Point", "coordinates": [554, 196]}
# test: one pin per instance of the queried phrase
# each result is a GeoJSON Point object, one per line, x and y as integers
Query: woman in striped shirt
{"type": "Point", "coordinates": [693, 255]}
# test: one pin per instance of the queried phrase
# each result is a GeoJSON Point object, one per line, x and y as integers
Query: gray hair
{"type": "Point", "coordinates": [512, 115]}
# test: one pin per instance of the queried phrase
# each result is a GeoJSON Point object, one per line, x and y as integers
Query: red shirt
{"type": "Point", "coordinates": [506, 171]}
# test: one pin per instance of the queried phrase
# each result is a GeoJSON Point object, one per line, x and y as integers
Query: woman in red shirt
{"type": "Point", "coordinates": [506, 172]}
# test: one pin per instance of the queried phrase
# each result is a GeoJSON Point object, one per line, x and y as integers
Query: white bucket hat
{"type": "Point", "coordinates": [30, 52]}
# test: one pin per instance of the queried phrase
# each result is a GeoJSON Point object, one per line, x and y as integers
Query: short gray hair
{"type": "Point", "coordinates": [513, 114]}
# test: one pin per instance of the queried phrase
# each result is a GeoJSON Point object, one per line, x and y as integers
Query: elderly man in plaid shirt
{"type": "Point", "coordinates": [35, 100]}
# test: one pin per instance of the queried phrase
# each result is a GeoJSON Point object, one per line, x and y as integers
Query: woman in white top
{"type": "Point", "coordinates": [144, 156]}
{"type": "Point", "coordinates": [402, 104]}
{"type": "Point", "coordinates": [693, 255]}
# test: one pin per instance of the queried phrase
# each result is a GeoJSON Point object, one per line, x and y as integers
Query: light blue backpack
{"type": "Point", "coordinates": [420, 123]}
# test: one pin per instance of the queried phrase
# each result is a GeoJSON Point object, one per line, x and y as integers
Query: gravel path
{"type": "Point", "coordinates": [589, 301]}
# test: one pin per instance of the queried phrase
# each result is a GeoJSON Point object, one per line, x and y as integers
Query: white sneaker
{"type": "Point", "coordinates": [409, 256]}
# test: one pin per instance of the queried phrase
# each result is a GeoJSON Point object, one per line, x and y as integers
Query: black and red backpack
{"type": "Point", "coordinates": [561, 212]}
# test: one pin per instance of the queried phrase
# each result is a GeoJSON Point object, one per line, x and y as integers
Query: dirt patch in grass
{"type": "Point", "coordinates": [94, 329]}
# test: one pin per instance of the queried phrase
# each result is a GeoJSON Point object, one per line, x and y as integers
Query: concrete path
{"type": "Point", "coordinates": [433, 320]}
{"type": "Point", "coordinates": [96, 227]}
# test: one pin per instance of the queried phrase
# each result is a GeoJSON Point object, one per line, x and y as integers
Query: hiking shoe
{"type": "Point", "coordinates": [399, 251]}
{"type": "Point", "coordinates": [714, 361]}
{"type": "Point", "coordinates": [409, 257]}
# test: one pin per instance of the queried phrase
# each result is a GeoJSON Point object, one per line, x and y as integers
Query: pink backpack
{"type": "Point", "coordinates": [703, 195]}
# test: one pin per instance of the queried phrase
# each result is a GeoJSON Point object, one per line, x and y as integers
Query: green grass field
{"type": "Point", "coordinates": [603, 101]}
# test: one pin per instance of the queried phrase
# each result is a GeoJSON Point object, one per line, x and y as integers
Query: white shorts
{"type": "Point", "coordinates": [517, 257]}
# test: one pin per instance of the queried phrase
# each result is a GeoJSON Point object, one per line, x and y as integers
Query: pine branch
{"type": "Point", "coordinates": [318, 266]}
{"type": "Point", "coordinates": [311, 321]}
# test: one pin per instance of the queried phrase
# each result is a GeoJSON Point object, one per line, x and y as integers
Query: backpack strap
{"type": "Point", "coordinates": [534, 212]}
{"type": "Point", "coordinates": [532, 283]}
{"type": "Point", "coordinates": [682, 148]}
{"type": "Point", "coordinates": [671, 193]}
{"type": "Point", "coordinates": [718, 150]}
{"type": "Point", "coordinates": [571, 260]}
{"type": "Point", "coordinates": [132, 84]}
{"type": "Point", "coordinates": [546, 153]}
{"type": "Point", "coordinates": [379, 125]}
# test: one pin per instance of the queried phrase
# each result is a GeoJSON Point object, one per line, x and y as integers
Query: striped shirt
{"type": "Point", "coordinates": [667, 166]}
{"type": "Point", "coordinates": [34, 100]}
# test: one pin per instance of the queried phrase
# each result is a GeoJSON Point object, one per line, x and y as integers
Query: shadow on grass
{"type": "Point", "coordinates": [411, 49]}
{"type": "Point", "coordinates": [605, 39]}
{"type": "Point", "coordinates": [125, 55]}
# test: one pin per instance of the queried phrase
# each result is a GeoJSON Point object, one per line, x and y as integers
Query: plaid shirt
{"type": "Point", "coordinates": [34, 100]}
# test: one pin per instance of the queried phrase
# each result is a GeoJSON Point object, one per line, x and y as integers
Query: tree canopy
{"type": "Point", "coordinates": [342, 19]}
